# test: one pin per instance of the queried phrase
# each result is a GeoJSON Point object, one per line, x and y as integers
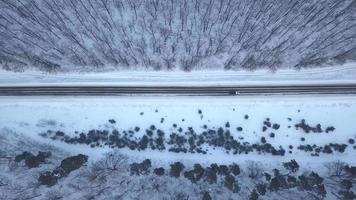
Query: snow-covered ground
{"type": "Point", "coordinates": [35, 115]}
{"type": "Point", "coordinates": [335, 74]}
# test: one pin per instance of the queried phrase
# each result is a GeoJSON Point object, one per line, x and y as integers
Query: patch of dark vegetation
{"type": "Point", "coordinates": [112, 121]}
{"type": "Point", "coordinates": [246, 117]}
{"type": "Point", "coordinates": [176, 169]}
{"type": "Point", "coordinates": [141, 168]}
{"type": "Point", "coordinates": [276, 126]}
{"type": "Point", "coordinates": [206, 196]}
{"type": "Point", "coordinates": [156, 139]}
{"type": "Point", "coordinates": [311, 182]}
{"type": "Point", "coordinates": [67, 166]}
{"type": "Point", "coordinates": [227, 125]}
{"type": "Point", "coordinates": [159, 171]}
{"type": "Point", "coordinates": [291, 166]}
{"type": "Point", "coordinates": [32, 161]}
{"type": "Point", "coordinates": [327, 149]}
{"type": "Point", "coordinates": [263, 140]}
{"type": "Point", "coordinates": [351, 170]}
{"type": "Point", "coordinates": [315, 129]}
{"type": "Point", "coordinates": [268, 124]}
{"type": "Point", "coordinates": [329, 129]}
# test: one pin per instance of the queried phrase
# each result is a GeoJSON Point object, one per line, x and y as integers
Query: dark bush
{"type": "Point", "coordinates": [210, 175]}
{"type": "Point", "coordinates": [235, 169]}
{"type": "Point", "coordinates": [223, 170]}
{"type": "Point", "coordinates": [346, 184]}
{"type": "Point", "coordinates": [351, 170]}
{"type": "Point", "coordinates": [48, 179]}
{"type": "Point", "coordinates": [140, 168]}
{"type": "Point", "coordinates": [159, 171]}
{"type": "Point", "coordinates": [254, 195]}
{"type": "Point", "coordinates": [292, 166]}
{"type": "Point", "coordinates": [176, 169]}
{"type": "Point", "coordinates": [329, 129]}
{"type": "Point", "coordinates": [227, 125]}
{"type": "Point", "coordinates": [263, 140]}
{"type": "Point", "coordinates": [206, 196]}
{"type": "Point", "coordinates": [32, 161]}
{"type": "Point", "coordinates": [67, 166]}
{"type": "Point", "coordinates": [261, 188]}
{"type": "Point", "coordinates": [276, 126]}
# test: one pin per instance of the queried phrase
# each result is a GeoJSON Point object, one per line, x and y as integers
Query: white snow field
{"type": "Point", "coordinates": [336, 74]}
{"type": "Point", "coordinates": [34, 115]}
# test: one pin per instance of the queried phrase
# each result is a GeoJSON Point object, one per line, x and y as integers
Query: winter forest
{"type": "Point", "coordinates": [72, 35]}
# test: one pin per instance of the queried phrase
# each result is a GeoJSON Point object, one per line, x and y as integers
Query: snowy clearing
{"type": "Point", "coordinates": [32, 116]}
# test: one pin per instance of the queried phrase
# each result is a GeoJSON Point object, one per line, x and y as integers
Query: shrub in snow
{"type": "Point", "coordinates": [261, 188]}
{"type": "Point", "coordinates": [140, 168]}
{"type": "Point", "coordinates": [176, 169]}
{"type": "Point", "coordinates": [277, 182]}
{"type": "Point", "coordinates": [206, 196]}
{"type": "Point", "coordinates": [47, 178]}
{"type": "Point", "coordinates": [329, 129]}
{"type": "Point", "coordinates": [32, 161]}
{"type": "Point", "coordinates": [351, 170]}
{"type": "Point", "coordinates": [346, 184]}
{"type": "Point", "coordinates": [254, 195]}
{"type": "Point", "coordinates": [291, 166]}
{"type": "Point", "coordinates": [223, 170]}
{"type": "Point", "coordinates": [254, 169]}
{"type": "Point", "coordinates": [276, 126]}
{"type": "Point", "coordinates": [210, 175]}
{"type": "Point", "coordinates": [235, 169]}
{"type": "Point", "coordinates": [137, 129]}
{"type": "Point", "coordinates": [263, 140]}
{"type": "Point", "coordinates": [306, 128]}
{"type": "Point", "coordinates": [67, 166]}
{"type": "Point", "coordinates": [159, 171]}
{"type": "Point", "coordinates": [267, 123]}
{"type": "Point", "coordinates": [292, 181]}
{"type": "Point", "coordinates": [264, 128]}
{"type": "Point", "coordinates": [313, 182]}
{"type": "Point", "coordinates": [227, 125]}
{"type": "Point", "coordinates": [347, 195]}
{"type": "Point", "coordinates": [112, 121]}
{"type": "Point", "coordinates": [267, 176]}
{"type": "Point", "coordinates": [231, 183]}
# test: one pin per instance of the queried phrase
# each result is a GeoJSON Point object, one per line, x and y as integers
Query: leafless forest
{"type": "Point", "coordinates": [175, 34]}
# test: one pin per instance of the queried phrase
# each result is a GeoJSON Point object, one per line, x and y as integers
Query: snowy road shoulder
{"type": "Point", "coordinates": [334, 74]}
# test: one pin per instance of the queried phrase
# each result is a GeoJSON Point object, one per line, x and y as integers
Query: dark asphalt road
{"type": "Point", "coordinates": [187, 91]}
